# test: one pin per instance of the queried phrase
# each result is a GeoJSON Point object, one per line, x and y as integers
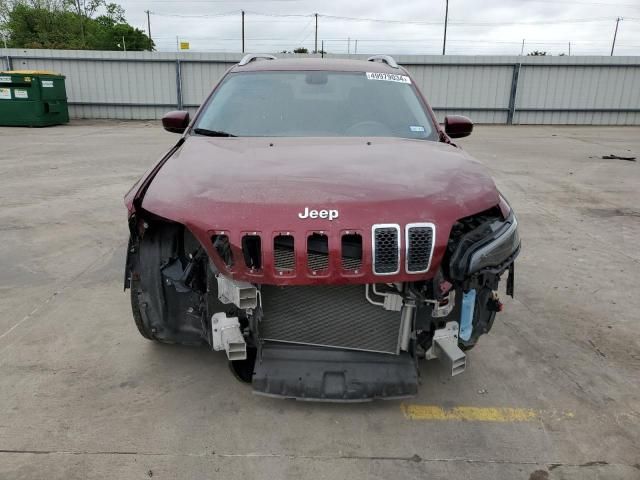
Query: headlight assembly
{"type": "Point", "coordinates": [494, 244]}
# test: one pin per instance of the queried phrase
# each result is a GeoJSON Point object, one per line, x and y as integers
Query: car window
{"type": "Point", "coordinates": [316, 103]}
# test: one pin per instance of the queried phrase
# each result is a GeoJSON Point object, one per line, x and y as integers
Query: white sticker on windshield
{"type": "Point", "coordinates": [5, 79]}
{"type": "Point", "coordinates": [21, 94]}
{"type": "Point", "coordinates": [47, 83]}
{"type": "Point", "coordinates": [388, 77]}
{"type": "Point", "coordinates": [5, 94]}
{"type": "Point", "coordinates": [416, 128]}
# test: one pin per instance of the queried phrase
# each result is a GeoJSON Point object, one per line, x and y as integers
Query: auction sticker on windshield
{"type": "Point", "coordinates": [5, 94]}
{"type": "Point", "coordinates": [388, 77]}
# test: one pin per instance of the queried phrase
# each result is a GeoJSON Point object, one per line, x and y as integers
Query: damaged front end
{"type": "Point", "coordinates": [357, 338]}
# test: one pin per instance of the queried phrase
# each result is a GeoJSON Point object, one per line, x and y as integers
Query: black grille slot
{"type": "Point", "coordinates": [284, 254]}
{"type": "Point", "coordinates": [386, 257]}
{"type": "Point", "coordinates": [252, 251]}
{"type": "Point", "coordinates": [419, 245]}
{"type": "Point", "coordinates": [223, 248]}
{"type": "Point", "coordinates": [351, 252]}
{"type": "Point", "coordinates": [318, 252]}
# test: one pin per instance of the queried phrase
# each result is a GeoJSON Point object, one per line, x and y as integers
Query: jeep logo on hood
{"type": "Point", "coordinates": [309, 213]}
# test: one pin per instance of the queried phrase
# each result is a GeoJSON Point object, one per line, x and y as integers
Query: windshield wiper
{"type": "Point", "coordinates": [212, 133]}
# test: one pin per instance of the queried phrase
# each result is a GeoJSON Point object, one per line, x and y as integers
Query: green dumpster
{"type": "Point", "coordinates": [31, 98]}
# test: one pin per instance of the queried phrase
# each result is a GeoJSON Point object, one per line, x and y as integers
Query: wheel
{"type": "Point", "coordinates": [137, 314]}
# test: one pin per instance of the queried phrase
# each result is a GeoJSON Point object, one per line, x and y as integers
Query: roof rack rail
{"type": "Point", "coordinates": [254, 56]}
{"type": "Point", "coordinates": [388, 59]}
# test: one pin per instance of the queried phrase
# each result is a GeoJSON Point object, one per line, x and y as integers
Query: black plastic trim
{"type": "Point", "coordinates": [329, 375]}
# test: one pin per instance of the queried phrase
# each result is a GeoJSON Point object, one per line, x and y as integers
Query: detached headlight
{"type": "Point", "coordinates": [492, 245]}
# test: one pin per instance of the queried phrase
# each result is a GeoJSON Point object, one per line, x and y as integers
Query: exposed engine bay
{"type": "Point", "coordinates": [331, 342]}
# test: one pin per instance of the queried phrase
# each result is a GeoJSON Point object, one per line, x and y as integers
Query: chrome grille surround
{"type": "Point", "coordinates": [420, 240]}
{"type": "Point", "coordinates": [385, 246]}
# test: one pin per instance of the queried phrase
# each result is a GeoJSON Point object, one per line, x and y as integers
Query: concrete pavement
{"type": "Point", "coordinates": [82, 395]}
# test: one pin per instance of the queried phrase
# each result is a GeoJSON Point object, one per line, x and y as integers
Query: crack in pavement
{"type": "Point", "coordinates": [415, 458]}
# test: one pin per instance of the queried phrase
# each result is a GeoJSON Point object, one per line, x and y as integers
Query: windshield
{"type": "Point", "coordinates": [314, 104]}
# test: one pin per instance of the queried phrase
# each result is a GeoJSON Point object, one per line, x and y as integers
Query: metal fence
{"type": "Point", "coordinates": [489, 89]}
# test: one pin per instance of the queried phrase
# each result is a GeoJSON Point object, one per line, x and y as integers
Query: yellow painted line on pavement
{"type": "Point", "coordinates": [476, 414]}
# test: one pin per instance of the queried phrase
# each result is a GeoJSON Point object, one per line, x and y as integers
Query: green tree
{"type": "Point", "coordinates": [69, 24]}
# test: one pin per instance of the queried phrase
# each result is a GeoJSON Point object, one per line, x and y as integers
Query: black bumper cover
{"type": "Point", "coordinates": [329, 375]}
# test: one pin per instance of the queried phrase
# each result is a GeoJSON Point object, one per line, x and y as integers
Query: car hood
{"type": "Point", "coordinates": [262, 184]}
{"type": "Point", "coordinates": [230, 180]}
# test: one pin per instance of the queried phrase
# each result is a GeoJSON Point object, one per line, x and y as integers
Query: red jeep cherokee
{"type": "Point", "coordinates": [316, 223]}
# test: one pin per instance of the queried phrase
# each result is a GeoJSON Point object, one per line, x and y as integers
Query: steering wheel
{"type": "Point", "coordinates": [368, 127]}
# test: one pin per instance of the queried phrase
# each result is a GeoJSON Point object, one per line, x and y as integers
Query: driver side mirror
{"type": "Point", "coordinates": [176, 121]}
{"type": "Point", "coordinates": [457, 126]}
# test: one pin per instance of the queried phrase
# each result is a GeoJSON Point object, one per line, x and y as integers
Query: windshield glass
{"type": "Point", "coordinates": [314, 104]}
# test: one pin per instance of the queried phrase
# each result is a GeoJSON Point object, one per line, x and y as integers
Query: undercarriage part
{"type": "Point", "coordinates": [242, 294]}
{"type": "Point", "coordinates": [321, 374]}
{"type": "Point", "coordinates": [166, 271]}
{"type": "Point", "coordinates": [243, 369]}
{"type": "Point", "coordinates": [442, 308]}
{"type": "Point", "coordinates": [406, 325]}
{"type": "Point", "coordinates": [336, 316]}
{"type": "Point", "coordinates": [445, 348]}
{"type": "Point", "coordinates": [466, 318]}
{"type": "Point", "coordinates": [391, 301]}
{"type": "Point", "coordinates": [226, 335]}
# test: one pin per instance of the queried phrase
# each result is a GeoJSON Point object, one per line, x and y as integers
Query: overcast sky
{"type": "Point", "coordinates": [476, 26]}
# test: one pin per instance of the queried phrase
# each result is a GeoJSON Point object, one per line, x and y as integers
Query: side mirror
{"type": "Point", "coordinates": [457, 126]}
{"type": "Point", "coordinates": [176, 121]}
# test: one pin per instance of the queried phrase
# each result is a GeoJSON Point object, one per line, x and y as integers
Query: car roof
{"type": "Point", "coordinates": [324, 64]}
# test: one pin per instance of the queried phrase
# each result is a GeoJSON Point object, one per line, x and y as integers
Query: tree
{"type": "Point", "coordinates": [536, 53]}
{"type": "Point", "coordinates": [69, 24]}
{"type": "Point", "coordinates": [300, 50]}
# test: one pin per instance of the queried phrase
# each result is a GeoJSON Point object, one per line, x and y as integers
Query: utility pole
{"type": "Point", "coordinates": [355, 50]}
{"type": "Point", "coordinates": [316, 48]}
{"type": "Point", "coordinates": [569, 48]}
{"type": "Point", "coordinates": [149, 29]}
{"type": "Point", "coordinates": [81, 14]}
{"type": "Point", "coordinates": [446, 20]}
{"type": "Point", "coordinates": [242, 31]}
{"type": "Point", "coordinates": [124, 44]}
{"type": "Point", "coordinates": [522, 49]}
{"type": "Point", "coordinates": [8, 58]}
{"type": "Point", "coordinates": [615, 34]}
{"type": "Point", "coordinates": [322, 49]}
{"type": "Point", "coordinates": [348, 45]}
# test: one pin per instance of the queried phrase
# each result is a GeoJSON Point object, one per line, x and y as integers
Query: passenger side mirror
{"type": "Point", "coordinates": [176, 121]}
{"type": "Point", "coordinates": [457, 126]}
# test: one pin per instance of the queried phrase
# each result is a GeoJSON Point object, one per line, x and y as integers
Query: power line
{"type": "Point", "coordinates": [389, 21]}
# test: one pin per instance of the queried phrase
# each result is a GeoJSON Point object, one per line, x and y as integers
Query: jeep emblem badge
{"type": "Point", "coordinates": [309, 213]}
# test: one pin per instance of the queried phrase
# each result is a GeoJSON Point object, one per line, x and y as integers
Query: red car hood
{"type": "Point", "coordinates": [240, 185]}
